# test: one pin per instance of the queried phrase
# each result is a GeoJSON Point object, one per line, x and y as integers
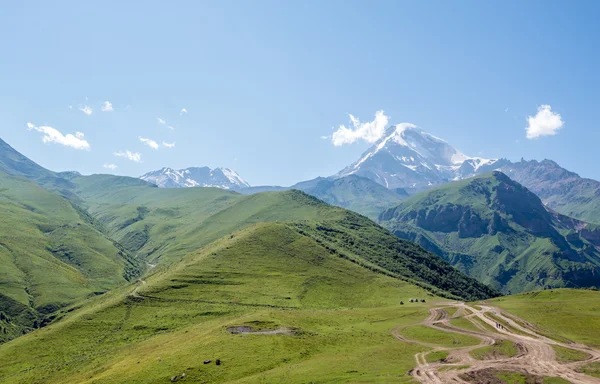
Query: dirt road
{"type": "Point", "coordinates": [536, 357]}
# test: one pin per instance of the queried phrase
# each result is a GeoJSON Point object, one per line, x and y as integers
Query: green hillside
{"type": "Point", "coordinates": [162, 225]}
{"type": "Point", "coordinates": [278, 286]}
{"type": "Point", "coordinates": [90, 234]}
{"type": "Point", "coordinates": [15, 164]}
{"type": "Point", "coordinates": [330, 319]}
{"type": "Point", "coordinates": [497, 231]}
{"type": "Point", "coordinates": [50, 256]}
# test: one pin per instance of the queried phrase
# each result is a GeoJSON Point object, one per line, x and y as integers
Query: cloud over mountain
{"type": "Point", "coordinates": [370, 131]}
{"type": "Point", "coordinates": [544, 123]}
{"type": "Point", "coordinates": [53, 135]}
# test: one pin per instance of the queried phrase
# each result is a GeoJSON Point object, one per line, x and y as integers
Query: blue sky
{"type": "Point", "coordinates": [262, 81]}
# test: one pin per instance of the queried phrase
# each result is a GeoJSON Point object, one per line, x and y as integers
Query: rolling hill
{"type": "Point", "coordinates": [499, 232]}
{"type": "Point", "coordinates": [271, 277]}
{"type": "Point", "coordinates": [275, 286]}
{"type": "Point", "coordinates": [51, 254]}
{"type": "Point", "coordinates": [162, 225]}
{"type": "Point", "coordinates": [98, 232]}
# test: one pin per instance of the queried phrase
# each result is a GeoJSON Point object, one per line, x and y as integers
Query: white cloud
{"type": "Point", "coordinates": [168, 145]}
{"type": "Point", "coordinates": [70, 107]}
{"type": "Point", "coordinates": [324, 137]}
{"type": "Point", "coordinates": [171, 128]}
{"type": "Point", "coordinates": [110, 166]}
{"type": "Point", "coordinates": [107, 106]}
{"type": "Point", "coordinates": [52, 135]}
{"type": "Point", "coordinates": [183, 111]}
{"type": "Point", "coordinates": [133, 156]}
{"type": "Point", "coordinates": [544, 123]}
{"type": "Point", "coordinates": [369, 132]}
{"type": "Point", "coordinates": [149, 142]}
{"type": "Point", "coordinates": [160, 121]}
{"type": "Point", "coordinates": [86, 109]}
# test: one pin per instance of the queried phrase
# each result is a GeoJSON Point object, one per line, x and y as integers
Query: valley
{"type": "Point", "coordinates": [155, 285]}
{"type": "Point", "coordinates": [299, 192]}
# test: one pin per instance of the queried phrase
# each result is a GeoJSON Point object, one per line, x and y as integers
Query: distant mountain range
{"type": "Point", "coordinates": [562, 190]}
{"type": "Point", "coordinates": [405, 161]}
{"type": "Point", "coordinates": [223, 178]}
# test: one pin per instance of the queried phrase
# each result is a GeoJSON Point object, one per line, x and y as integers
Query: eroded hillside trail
{"type": "Point", "coordinates": [535, 357]}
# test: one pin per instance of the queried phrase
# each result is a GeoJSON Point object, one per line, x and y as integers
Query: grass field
{"type": "Point", "coordinates": [592, 369]}
{"type": "Point", "coordinates": [463, 323]}
{"type": "Point", "coordinates": [432, 336]}
{"type": "Point", "coordinates": [567, 355]}
{"type": "Point", "coordinates": [341, 315]}
{"type": "Point", "coordinates": [451, 311]}
{"type": "Point", "coordinates": [502, 348]}
{"type": "Point", "coordinates": [518, 378]}
{"type": "Point", "coordinates": [434, 357]}
{"type": "Point", "coordinates": [568, 313]}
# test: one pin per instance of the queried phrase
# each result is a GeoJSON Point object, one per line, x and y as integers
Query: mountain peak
{"type": "Point", "coordinates": [223, 178]}
{"type": "Point", "coordinates": [408, 157]}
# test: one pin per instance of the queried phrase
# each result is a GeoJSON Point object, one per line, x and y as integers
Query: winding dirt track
{"type": "Point", "coordinates": [536, 355]}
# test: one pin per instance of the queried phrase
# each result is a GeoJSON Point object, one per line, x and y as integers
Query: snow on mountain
{"type": "Point", "coordinates": [408, 157]}
{"type": "Point", "coordinates": [223, 178]}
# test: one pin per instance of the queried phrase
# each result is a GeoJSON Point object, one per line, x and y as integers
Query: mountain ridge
{"type": "Point", "coordinates": [498, 231]}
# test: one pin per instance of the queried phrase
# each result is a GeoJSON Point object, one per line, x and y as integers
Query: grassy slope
{"type": "Point", "coordinates": [163, 225]}
{"type": "Point", "coordinates": [267, 274]}
{"type": "Point", "coordinates": [49, 255]}
{"type": "Point", "coordinates": [526, 251]}
{"type": "Point", "coordinates": [503, 348]}
{"type": "Point", "coordinates": [567, 313]}
{"type": "Point", "coordinates": [169, 223]}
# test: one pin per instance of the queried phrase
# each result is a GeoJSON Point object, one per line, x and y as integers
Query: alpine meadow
{"type": "Point", "coordinates": [273, 192]}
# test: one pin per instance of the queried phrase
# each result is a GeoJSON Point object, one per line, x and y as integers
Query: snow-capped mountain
{"type": "Point", "coordinates": [410, 158]}
{"type": "Point", "coordinates": [223, 178]}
